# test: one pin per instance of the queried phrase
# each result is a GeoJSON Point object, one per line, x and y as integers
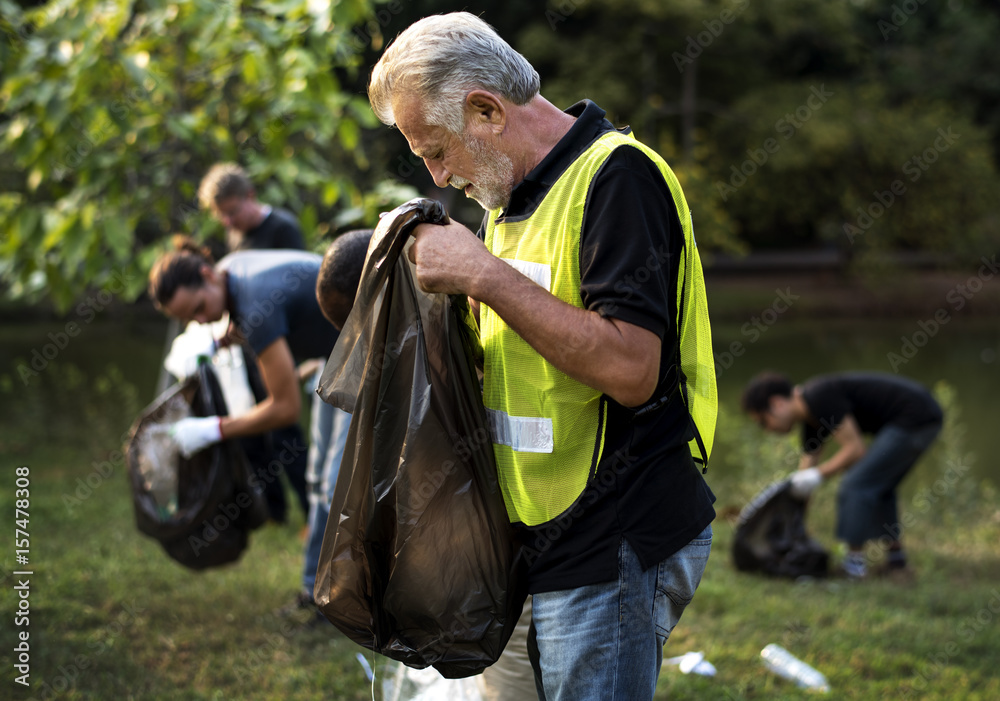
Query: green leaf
{"type": "Point", "coordinates": [118, 235]}
{"type": "Point", "coordinates": [349, 134]}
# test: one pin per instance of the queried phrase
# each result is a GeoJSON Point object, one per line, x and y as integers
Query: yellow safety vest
{"type": "Point", "coordinates": [548, 429]}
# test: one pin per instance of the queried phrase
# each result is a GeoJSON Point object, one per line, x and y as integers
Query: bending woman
{"type": "Point", "coordinates": [272, 306]}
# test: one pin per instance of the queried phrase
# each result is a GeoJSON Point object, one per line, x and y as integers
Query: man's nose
{"type": "Point", "coordinates": [438, 172]}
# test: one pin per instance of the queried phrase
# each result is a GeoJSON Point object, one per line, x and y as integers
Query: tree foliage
{"type": "Point", "coordinates": [715, 83]}
{"type": "Point", "coordinates": [112, 112]}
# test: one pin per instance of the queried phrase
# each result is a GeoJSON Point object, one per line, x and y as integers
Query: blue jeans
{"type": "Point", "coordinates": [328, 436]}
{"type": "Point", "coordinates": [604, 642]}
{"type": "Point", "coordinates": [866, 502]}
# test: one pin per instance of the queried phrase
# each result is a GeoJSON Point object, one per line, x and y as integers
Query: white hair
{"type": "Point", "coordinates": [440, 60]}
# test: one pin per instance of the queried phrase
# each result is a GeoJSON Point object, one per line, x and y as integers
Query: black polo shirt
{"type": "Point", "coordinates": [646, 488]}
{"type": "Point", "coordinates": [279, 229]}
{"type": "Point", "coordinates": [874, 399]}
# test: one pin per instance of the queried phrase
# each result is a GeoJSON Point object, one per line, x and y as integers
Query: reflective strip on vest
{"type": "Point", "coordinates": [524, 434]}
{"type": "Point", "coordinates": [538, 273]}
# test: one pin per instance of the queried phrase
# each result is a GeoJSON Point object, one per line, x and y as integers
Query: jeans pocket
{"type": "Point", "coordinates": [677, 579]}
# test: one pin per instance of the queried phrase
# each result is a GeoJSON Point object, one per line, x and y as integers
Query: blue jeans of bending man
{"type": "Point", "coordinates": [866, 502]}
{"type": "Point", "coordinates": [328, 436]}
{"type": "Point", "coordinates": [604, 642]}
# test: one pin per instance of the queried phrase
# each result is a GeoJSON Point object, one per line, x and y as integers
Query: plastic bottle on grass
{"type": "Point", "coordinates": [785, 664]}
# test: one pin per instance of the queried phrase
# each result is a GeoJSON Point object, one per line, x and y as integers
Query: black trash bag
{"type": "Point", "coordinates": [771, 536]}
{"type": "Point", "coordinates": [213, 502]}
{"type": "Point", "coordinates": [419, 560]}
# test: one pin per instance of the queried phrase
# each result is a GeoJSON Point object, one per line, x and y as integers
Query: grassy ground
{"type": "Point", "coordinates": [111, 617]}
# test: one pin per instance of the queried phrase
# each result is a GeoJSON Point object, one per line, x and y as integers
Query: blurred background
{"type": "Point", "coordinates": [844, 153]}
{"type": "Point", "coordinates": [839, 157]}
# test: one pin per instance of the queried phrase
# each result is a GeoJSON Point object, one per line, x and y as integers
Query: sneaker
{"type": "Point", "coordinates": [854, 568]}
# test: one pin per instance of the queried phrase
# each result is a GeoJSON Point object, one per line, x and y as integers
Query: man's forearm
{"type": "Point", "coordinates": [840, 461]}
{"type": "Point", "coordinates": [619, 359]}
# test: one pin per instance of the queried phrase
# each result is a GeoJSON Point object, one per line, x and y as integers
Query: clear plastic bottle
{"type": "Point", "coordinates": [785, 664]}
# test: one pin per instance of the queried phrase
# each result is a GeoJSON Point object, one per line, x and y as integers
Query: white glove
{"type": "Point", "coordinates": [196, 433]}
{"type": "Point", "coordinates": [804, 482]}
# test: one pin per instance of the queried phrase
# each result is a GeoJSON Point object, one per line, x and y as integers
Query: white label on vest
{"type": "Point", "coordinates": [539, 273]}
{"type": "Point", "coordinates": [525, 434]}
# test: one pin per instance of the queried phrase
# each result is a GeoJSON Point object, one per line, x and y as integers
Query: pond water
{"type": "Point", "coordinates": [965, 354]}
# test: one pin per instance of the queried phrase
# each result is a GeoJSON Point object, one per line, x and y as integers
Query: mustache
{"type": "Point", "coordinates": [459, 183]}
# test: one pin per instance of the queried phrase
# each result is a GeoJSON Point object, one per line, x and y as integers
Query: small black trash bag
{"type": "Point", "coordinates": [771, 536]}
{"type": "Point", "coordinates": [419, 560]}
{"type": "Point", "coordinates": [201, 509]}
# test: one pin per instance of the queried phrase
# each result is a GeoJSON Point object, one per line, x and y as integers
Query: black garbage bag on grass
{"type": "Point", "coordinates": [771, 536]}
{"type": "Point", "coordinates": [201, 509]}
{"type": "Point", "coordinates": [419, 560]}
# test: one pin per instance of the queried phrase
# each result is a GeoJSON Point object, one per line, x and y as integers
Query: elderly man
{"type": "Point", "coordinates": [584, 275]}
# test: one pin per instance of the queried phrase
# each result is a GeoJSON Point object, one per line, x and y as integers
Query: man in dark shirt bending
{"type": "Point", "coordinates": [902, 416]}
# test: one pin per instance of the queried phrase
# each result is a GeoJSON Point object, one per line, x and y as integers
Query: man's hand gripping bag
{"type": "Point", "coordinates": [419, 560]}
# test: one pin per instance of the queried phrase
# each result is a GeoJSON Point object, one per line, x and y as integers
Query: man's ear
{"type": "Point", "coordinates": [484, 109]}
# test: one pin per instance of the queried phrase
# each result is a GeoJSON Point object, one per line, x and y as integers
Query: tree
{"type": "Point", "coordinates": [725, 79]}
{"type": "Point", "coordinates": [833, 164]}
{"type": "Point", "coordinates": [110, 113]}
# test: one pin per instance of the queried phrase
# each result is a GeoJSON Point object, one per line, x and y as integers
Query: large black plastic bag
{"type": "Point", "coordinates": [215, 504]}
{"type": "Point", "coordinates": [771, 536]}
{"type": "Point", "coordinates": [419, 560]}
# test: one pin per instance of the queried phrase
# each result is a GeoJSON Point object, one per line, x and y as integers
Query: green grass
{"type": "Point", "coordinates": [112, 617]}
